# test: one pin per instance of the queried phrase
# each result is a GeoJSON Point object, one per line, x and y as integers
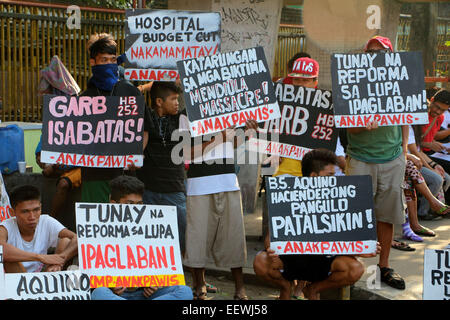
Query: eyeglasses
{"type": "Point", "coordinates": [378, 51]}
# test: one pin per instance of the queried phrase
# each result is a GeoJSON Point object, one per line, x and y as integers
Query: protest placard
{"type": "Point", "coordinates": [124, 245]}
{"type": "Point", "coordinates": [101, 131]}
{"type": "Point", "coordinates": [61, 285]}
{"type": "Point", "coordinates": [321, 215]}
{"type": "Point", "coordinates": [157, 39]}
{"type": "Point", "coordinates": [227, 89]}
{"type": "Point", "coordinates": [5, 206]}
{"type": "Point", "coordinates": [386, 87]}
{"type": "Point", "coordinates": [306, 123]}
{"type": "Point", "coordinates": [436, 274]}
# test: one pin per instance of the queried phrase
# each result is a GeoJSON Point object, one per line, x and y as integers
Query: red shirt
{"type": "Point", "coordinates": [430, 135]}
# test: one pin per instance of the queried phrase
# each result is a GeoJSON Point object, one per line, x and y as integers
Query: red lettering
{"type": "Point", "coordinates": [324, 246]}
{"type": "Point", "coordinates": [288, 247]}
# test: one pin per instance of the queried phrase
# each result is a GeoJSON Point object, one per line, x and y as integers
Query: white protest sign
{"type": "Point", "coordinates": [436, 275]}
{"type": "Point", "coordinates": [62, 285]}
{"type": "Point", "coordinates": [157, 39]}
{"type": "Point", "coordinates": [125, 245]}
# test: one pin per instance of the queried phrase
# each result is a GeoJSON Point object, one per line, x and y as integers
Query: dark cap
{"type": "Point", "coordinates": [442, 96]}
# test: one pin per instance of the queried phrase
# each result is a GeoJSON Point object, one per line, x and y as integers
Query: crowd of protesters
{"type": "Point", "coordinates": [409, 185]}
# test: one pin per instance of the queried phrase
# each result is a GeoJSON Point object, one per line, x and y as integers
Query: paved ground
{"type": "Point", "coordinates": [408, 264]}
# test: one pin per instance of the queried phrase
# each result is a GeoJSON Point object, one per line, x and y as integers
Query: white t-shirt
{"type": "Point", "coordinates": [212, 183]}
{"type": "Point", "coordinates": [45, 236]}
{"type": "Point", "coordinates": [446, 123]}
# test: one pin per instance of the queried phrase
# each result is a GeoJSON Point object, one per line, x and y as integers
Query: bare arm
{"type": "Point", "coordinates": [13, 254]}
{"type": "Point", "coordinates": [440, 135]}
{"type": "Point", "coordinates": [405, 138]}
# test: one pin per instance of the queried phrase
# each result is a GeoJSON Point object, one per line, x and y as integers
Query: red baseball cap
{"type": "Point", "coordinates": [385, 42]}
{"type": "Point", "coordinates": [305, 68]}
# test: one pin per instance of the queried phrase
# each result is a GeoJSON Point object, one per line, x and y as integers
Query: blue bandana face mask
{"type": "Point", "coordinates": [105, 76]}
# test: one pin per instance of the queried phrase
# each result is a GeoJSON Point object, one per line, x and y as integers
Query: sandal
{"type": "Point", "coordinates": [392, 278]}
{"type": "Point", "coordinates": [236, 297]}
{"type": "Point", "coordinates": [442, 211]}
{"type": "Point", "coordinates": [399, 245]}
{"type": "Point", "coordinates": [298, 298]}
{"type": "Point", "coordinates": [211, 288]}
{"type": "Point", "coordinates": [425, 232]}
{"type": "Point", "coordinates": [201, 296]}
{"type": "Point", "coordinates": [408, 233]}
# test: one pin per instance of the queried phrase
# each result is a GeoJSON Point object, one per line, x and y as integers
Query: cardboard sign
{"type": "Point", "coordinates": [157, 39]}
{"type": "Point", "coordinates": [386, 87]}
{"type": "Point", "coordinates": [103, 132]}
{"type": "Point", "coordinates": [124, 245]}
{"type": "Point", "coordinates": [306, 123]}
{"type": "Point", "coordinates": [321, 215]}
{"type": "Point", "coordinates": [5, 206]}
{"type": "Point", "coordinates": [436, 275]}
{"type": "Point", "coordinates": [61, 285]}
{"type": "Point", "coordinates": [227, 89]}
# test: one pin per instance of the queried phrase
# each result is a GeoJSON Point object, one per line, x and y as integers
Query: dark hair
{"type": "Point", "coordinates": [24, 193]}
{"type": "Point", "coordinates": [162, 89]}
{"type": "Point", "coordinates": [316, 160]}
{"type": "Point", "coordinates": [296, 56]}
{"type": "Point", "coordinates": [122, 186]}
{"type": "Point", "coordinates": [105, 44]}
{"type": "Point", "coordinates": [442, 96]}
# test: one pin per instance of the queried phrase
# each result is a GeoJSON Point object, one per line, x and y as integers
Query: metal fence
{"type": "Point", "coordinates": [443, 36]}
{"type": "Point", "coordinates": [291, 39]}
{"type": "Point", "coordinates": [30, 35]}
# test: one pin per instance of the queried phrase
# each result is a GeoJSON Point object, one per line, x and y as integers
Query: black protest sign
{"type": "Point", "coordinates": [385, 87]}
{"type": "Point", "coordinates": [321, 215]}
{"type": "Point", "coordinates": [61, 285]}
{"type": "Point", "coordinates": [102, 131]}
{"type": "Point", "coordinates": [436, 274]}
{"type": "Point", "coordinates": [306, 123]}
{"type": "Point", "coordinates": [157, 39]}
{"type": "Point", "coordinates": [126, 245]}
{"type": "Point", "coordinates": [227, 89]}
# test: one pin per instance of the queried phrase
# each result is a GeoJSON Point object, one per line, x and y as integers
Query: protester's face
{"type": "Point", "coordinates": [103, 58]}
{"type": "Point", "coordinates": [27, 214]}
{"type": "Point", "coordinates": [328, 170]}
{"type": "Point", "coordinates": [169, 105]}
{"type": "Point", "coordinates": [437, 108]}
{"type": "Point", "coordinates": [305, 82]}
{"type": "Point", "coordinates": [132, 198]}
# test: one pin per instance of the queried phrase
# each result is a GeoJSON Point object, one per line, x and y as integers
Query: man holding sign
{"type": "Point", "coordinates": [104, 82]}
{"type": "Point", "coordinates": [129, 190]}
{"type": "Point", "coordinates": [381, 153]}
{"type": "Point", "coordinates": [323, 271]}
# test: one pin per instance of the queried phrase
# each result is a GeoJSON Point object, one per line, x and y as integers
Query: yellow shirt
{"type": "Point", "coordinates": [289, 166]}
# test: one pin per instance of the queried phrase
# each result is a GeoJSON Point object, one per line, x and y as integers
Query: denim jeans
{"type": "Point", "coordinates": [177, 199]}
{"type": "Point", "coordinates": [165, 293]}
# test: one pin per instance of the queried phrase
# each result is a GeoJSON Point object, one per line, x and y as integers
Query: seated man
{"type": "Point", "coordinates": [130, 190]}
{"type": "Point", "coordinates": [27, 236]}
{"type": "Point", "coordinates": [323, 271]}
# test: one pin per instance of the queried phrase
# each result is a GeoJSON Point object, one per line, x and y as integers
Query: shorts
{"type": "Point", "coordinates": [387, 187]}
{"type": "Point", "coordinates": [215, 229]}
{"type": "Point", "coordinates": [304, 267]}
{"type": "Point", "coordinates": [73, 177]}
